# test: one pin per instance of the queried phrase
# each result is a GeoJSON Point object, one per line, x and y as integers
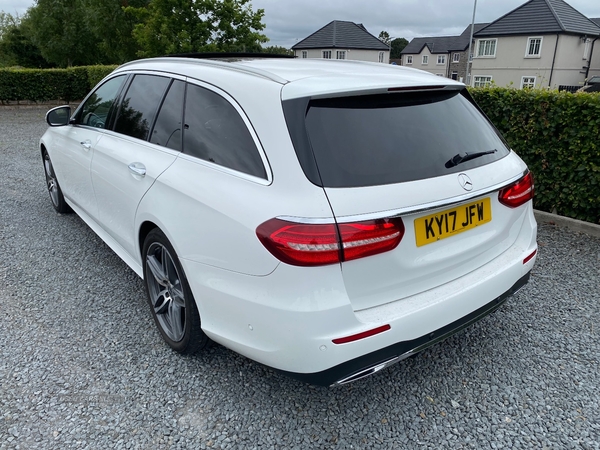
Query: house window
{"type": "Point", "coordinates": [455, 75]}
{"type": "Point", "coordinates": [527, 82]}
{"type": "Point", "coordinates": [304, 54]}
{"type": "Point", "coordinates": [340, 54]}
{"type": "Point", "coordinates": [326, 54]}
{"type": "Point", "coordinates": [486, 48]}
{"type": "Point", "coordinates": [425, 59]}
{"type": "Point", "coordinates": [381, 57]}
{"type": "Point", "coordinates": [441, 59]}
{"type": "Point", "coordinates": [482, 81]}
{"type": "Point", "coordinates": [408, 59]}
{"type": "Point", "coordinates": [534, 47]}
{"type": "Point", "coordinates": [456, 57]}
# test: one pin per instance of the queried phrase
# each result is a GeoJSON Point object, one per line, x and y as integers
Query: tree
{"type": "Point", "coordinates": [113, 28]}
{"type": "Point", "coordinates": [398, 45]}
{"type": "Point", "coordinates": [277, 50]}
{"type": "Point", "coordinates": [182, 26]}
{"type": "Point", "coordinates": [59, 28]}
{"type": "Point", "coordinates": [16, 48]}
{"type": "Point", "coordinates": [384, 37]}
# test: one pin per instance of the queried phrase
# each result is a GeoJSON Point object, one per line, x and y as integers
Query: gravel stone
{"type": "Point", "coordinates": [83, 366]}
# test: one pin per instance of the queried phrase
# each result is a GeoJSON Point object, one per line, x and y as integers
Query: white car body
{"type": "Point", "coordinates": [282, 315]}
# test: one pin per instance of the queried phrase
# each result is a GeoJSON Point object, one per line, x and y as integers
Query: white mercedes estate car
{"type": "Point", "coordinates": [324, 218]}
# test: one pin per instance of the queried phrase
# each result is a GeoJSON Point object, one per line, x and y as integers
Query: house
{"type": "Point", "coordinates": [594, 62]}
{"type": "Point", "coordinates": [343, 40]}
{"type": "Point", "coordinates": [445, 56]}
{"type": "Point", "coordinates": [542, 43]}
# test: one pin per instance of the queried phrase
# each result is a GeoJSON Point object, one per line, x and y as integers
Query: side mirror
{"type": "Point", "coordinates": [59, 116]}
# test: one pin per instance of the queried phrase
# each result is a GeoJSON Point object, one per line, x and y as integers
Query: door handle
{"type": "Point", "coordinates": [137, 168]}
{"type": "Point", "coordinates": [87, 144]}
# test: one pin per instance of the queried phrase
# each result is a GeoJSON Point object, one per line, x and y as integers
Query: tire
{"type": "Point", "coordinates": [171, 301]}
{"type": "Point", "coordinates": [56, 195]}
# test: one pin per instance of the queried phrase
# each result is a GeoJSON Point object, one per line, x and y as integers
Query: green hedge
{"type": "Point", "coordinates": [40, 85]}
{"type": "Point", "coordinates": [558, 135]}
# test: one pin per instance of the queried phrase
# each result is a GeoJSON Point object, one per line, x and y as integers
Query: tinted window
{"type": "Point", "coordinates": [167, 130]}
{"type": "Point", "coordinates": [139, 107]}
{"type": "Point", "coordinates": [393, 138]}
{"type": "Point", "coordinates": [214, 131]}
{"type": "Point", "coordinates": [96, 109]}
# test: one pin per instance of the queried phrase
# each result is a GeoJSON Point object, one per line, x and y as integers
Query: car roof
{"type": "Point", "coordinates": [300, 77]}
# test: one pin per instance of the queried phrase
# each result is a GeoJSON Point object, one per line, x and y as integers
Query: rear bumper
{"type": "Point", "coordinates": [373, 362]}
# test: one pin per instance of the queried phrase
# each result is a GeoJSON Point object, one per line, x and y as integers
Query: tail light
{"type": "Point", "coordinates": [517, 193]}
{"type": "Point", "coordinates": [302, 244]}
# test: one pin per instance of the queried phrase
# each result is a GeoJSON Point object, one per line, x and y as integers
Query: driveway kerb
{"type": "Point", "coordinates": [567, 222]}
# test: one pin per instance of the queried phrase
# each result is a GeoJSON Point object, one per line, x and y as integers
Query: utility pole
{"type": "Point", "coordinates": [469, 62]}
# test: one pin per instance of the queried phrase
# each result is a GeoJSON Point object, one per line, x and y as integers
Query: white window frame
{"type": "Point", "coordinates": [381, 57]}
{"type": "Point", "coordinates": [442, 58]}
{"type": "Point", "coordinates": [530, 84]}
{"type": "Point", "coordinates": [425, 60]}
{"type": "Point", "coordinates": [408, 60]}
{"type": "Point", "coordinates": [326, 54]}
{"type": "Point", "coordinates": [478, 83]}
{"type": "Point", "coordinates": [534, 55]}
{"type": "Point", "coordinates": [486, 54]}
{"type": "Point", "coordinates": [455, 57]}
{"type": "Point", "coordinates": [304, 54]}
{"type": "Point", "coordinates": [340, 54]}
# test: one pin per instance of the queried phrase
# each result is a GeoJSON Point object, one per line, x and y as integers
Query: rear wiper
{"type": "Point", "coordinates": [457, 159]}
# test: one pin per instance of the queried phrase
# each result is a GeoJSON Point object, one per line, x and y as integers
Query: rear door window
{"type": "Point", "coordinates": [395, 138]}
{"type": "Point", "coordinates": [215, 132]}
{"type": "Point", "coordinates": [167, 130]}
{"type": "Point", "coordinates": [140, 105]}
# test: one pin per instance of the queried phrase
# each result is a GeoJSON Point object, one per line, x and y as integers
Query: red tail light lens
{"type": "Point", "coordinates": [517, 193]}
{"type": "Point", "coordinates": [302, 244]}
{"type": "Point", "coordinates": [368, 238]}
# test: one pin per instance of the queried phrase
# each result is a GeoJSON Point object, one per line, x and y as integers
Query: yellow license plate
{"type": "Point", "coordinates": [452, 221]}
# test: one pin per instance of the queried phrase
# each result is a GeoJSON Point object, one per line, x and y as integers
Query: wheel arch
{"type": "Point", "coordinates": [145, 228]}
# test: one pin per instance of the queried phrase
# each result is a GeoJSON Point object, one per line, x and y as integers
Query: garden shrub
{"type": "Point", "coordinates": [41, 85]}
{"type": "Point", "coordinates": [558, 135]}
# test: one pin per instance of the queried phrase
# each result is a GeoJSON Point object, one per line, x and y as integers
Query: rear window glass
{"type": "Point", "coordinates": [394, 138]}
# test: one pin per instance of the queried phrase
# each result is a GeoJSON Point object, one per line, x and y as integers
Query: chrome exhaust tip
{"type": "Point", "coordinates": [372, 369]}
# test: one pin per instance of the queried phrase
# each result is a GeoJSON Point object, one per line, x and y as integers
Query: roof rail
{"type": "Point", "coordinates": [216, 55]}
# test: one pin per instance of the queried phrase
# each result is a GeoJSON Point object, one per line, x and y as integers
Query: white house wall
{"type": "Point", "coordinates": [353, 54]}
{"type": "Point", "coordinates": [510, 64]}
{"type": "Point", "coordinates": [432, 66]}
{"type": "Point", "coordinates": [595, 62]}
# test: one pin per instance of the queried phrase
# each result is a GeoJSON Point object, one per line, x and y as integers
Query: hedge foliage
{"type": "Point", "coordinates": [40, 85]}
{"type": "Point", "coordinates": [558, 135]}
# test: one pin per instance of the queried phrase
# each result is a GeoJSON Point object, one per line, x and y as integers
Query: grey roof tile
{"type": "Point", "coordinates": [541, 17]}
{"type": "Point", "coordinates": [342, 34]}
{"type": "Point", "coordinates": [442, 44]}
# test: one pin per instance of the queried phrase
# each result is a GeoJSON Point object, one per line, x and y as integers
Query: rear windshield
{"type": "Point", "coordinates": [392, 138]}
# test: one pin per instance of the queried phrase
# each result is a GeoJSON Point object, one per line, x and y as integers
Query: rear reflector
{"type": "Point", "coordinates": [517, 193]}
{"type": "Point", "coordinates": [526, 260]}
{"type": "Point", "coordinates": [303, 244]}
{"type": "Point", "coordinates": [364, 334]}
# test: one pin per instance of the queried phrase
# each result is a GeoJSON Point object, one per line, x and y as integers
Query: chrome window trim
{"type": "Point", "coordinates": [416, 209]}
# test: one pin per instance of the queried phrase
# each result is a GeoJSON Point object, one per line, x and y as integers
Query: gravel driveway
{"type": "Point", "coordinates": [83, 366]}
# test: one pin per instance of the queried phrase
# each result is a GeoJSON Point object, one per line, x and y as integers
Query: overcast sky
{"type": "Point", "coordinates": [289, 21]}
